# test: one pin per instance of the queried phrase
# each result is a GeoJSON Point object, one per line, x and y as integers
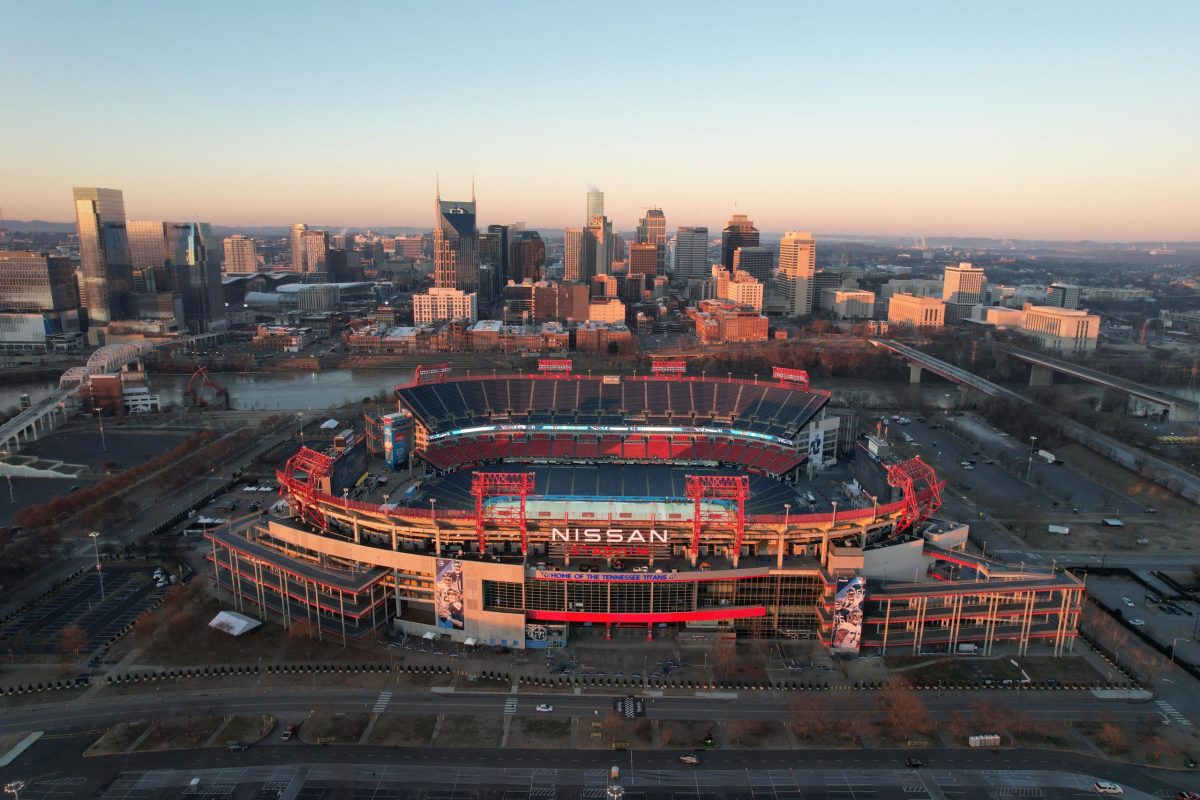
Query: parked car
{"type": "Point", "coordinates": [1127, 601]}
{"type": "Point", "coordinates": [288, 733]}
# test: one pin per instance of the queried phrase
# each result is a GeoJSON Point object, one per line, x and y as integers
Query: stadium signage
{"type": "Point", "coordinates": [608, 577]}
{"type": "Point", "coordinates": [618, 536]}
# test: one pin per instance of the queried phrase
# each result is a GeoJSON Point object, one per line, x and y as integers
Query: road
{"type": "Point", "coordinates": [298, 770]}
{"type": "Point", "coordinates": [295, 704]}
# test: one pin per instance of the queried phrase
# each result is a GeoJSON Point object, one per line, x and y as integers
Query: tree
{"type": "Point", "coordinates": [612, 724]}
{"type": "Point", "coordinates": [74, 638]}
{"type": "Point", "coordinates": [902, 709]}
{"type": "Point", "coordinates": [302, 632]}
{"type": "Point", "coordinates": [1111, 738]}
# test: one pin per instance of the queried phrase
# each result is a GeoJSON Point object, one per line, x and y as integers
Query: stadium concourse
{"type": "Point", "coordinates": [553, 505]}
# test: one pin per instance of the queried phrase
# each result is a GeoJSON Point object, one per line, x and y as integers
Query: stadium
{"type": "Point", "coordinates": [529, 509]}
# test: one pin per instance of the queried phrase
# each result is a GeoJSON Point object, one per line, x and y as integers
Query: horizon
{"type": "Point", "coordinates": [938, 120]}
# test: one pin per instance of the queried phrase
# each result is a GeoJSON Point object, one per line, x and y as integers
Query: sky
{"type": "Point", "coordinates": [1060, 120]}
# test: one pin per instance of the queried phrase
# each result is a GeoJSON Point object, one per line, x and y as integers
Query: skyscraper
{"type": "Point", "coordinates": [103, 253]}
{"type": "Point", "coordinates": [600, 230]}
{"type": "Point", "coordinates": [528, 256]}
{"type": "Point", "coordinates": [797, 264]}
{"type": "Point", "coordinates": [316, 256]}
{"type": "Point", "coordinates": [691, 253]}
{"type": "Point", "coordinates": [194, 263]}
{"type": "Point", "coordinates": [652, 229]}
{"type": "Point", "coordinates": [739, 232]}
{"type": "Point", "coordinates": [643, 258]}
{"type": "Point", "coordinates": [455, 245]}
{"type": "Point", "coordinates": [595, 204]}
{"type": "Point", "coordinates": [241, 255]}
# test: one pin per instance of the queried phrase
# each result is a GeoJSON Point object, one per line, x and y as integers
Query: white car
{"type": "Point", "coordinates": [1127, 601]}
{"type": "Point", "coordinates": [545, 707]}
{"type": "Point", "coordinates": [1137, 623]}
{"type": "Point", "coordinates": [1107, 787]}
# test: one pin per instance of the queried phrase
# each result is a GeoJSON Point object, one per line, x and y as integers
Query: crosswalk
{"type": "Point", "coordinates": [382, 703]}
{"type": "Point", "coordinates": [1172, 713]}
{"type": "Point", "coordinates": [510, 705]}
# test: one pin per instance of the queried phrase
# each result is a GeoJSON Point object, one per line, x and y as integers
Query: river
{"type": "Point", "coordinates": [313, 391]}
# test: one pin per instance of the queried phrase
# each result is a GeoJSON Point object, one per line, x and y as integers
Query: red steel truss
{"type": "Point", "coordinates": [718, 487]}
{"type": "Point", "coordinates": [301, 473]}
{"type": "Point", "coordinates": [501, 484]}
{"type": "Point", "coordinates": [921, 487]}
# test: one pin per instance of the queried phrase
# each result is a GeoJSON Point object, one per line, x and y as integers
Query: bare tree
{"type": "Point", "coordinates": [74, 638]}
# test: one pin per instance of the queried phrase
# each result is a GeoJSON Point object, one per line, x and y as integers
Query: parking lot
{"type": "Point", "coordinates": [128, 591]}
{"type": "Point", "coordinates": [1151, 611]}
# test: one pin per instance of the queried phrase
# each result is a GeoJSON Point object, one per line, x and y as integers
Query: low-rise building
{"type": "Point", "coordinates": [1064, 330]}
{"type": "Point", "coordinates": [848, 303]}
{"type": "Point", "coordinates": [740, 288]}
{"type": "Point", "coordinates": [604, 337]}
{"type": "Point", "coordinates": [443, 304]}
{"type": "Point", "coordinates": [919, 312]}
{"type": "Point", "coordinates": [718, 322]}
{"type": "Point", "coordinates": [282, 338]}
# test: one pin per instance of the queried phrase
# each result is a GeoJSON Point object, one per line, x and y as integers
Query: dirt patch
{"type": "Point", "coordinates": [755, 734]}
{"type": "Point", "coordinates": [185, 633]}
{"type": "Point", "coordinates": [117, 739]}
{"type": "Point", "coordinates": [687, 733]}
{"type": "Point", "coordinates": [465, 730]}
{"type": "Point", "coordinates": [539, 732]}
{"type": "Point", "coordinates": [179, 734]}
{"type": "Point", "coordinates": [402, 730]}
{"type": "Point", "coordinates": [326, 728]}
{"type": "Point", "coordinates": [247, 728]}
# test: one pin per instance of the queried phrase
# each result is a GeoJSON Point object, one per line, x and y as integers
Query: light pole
{"type": "Point", "coordinates": [1029, 463]}
{"type": "Point", "coordinates": [875, 507]}
{"type": "Point", "coordinates": [833, 521]}
{"type": "Point", "coordinates": [437, 532]}
{"type": "Point", "coordinates": [12, 499]}
{"type": "Point", "coordinates": [99, 572]}
{"type": "Point", "coordinates": [787, 511]}
{"type": "Point", "coordinates": [300, 422]}
{"type": "Point", "coordinates": [100, 418]}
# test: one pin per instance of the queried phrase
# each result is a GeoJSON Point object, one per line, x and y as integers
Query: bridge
{"type": "Point", "coordinates": [1162, 472]}
{"type": "Point", "coordinates": [52, 411]}
{"type": "Point", "coordinates": [1042, 369]}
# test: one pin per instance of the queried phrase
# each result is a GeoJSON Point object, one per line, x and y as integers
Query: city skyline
{"type": "Point", "coordinates": [934, 120]}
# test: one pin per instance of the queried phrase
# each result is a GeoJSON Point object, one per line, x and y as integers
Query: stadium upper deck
{"type": "Point", "coordinates": [772, 409]}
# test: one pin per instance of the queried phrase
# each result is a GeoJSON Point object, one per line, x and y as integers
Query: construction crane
{"type": "Point", "coordinates": [196, 386]}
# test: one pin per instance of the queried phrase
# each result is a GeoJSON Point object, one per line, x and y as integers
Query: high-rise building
{"type": "Point", "coordinates": [316, 256]}
{"type": "Point", "coordinates": [296, 238]}
{"type": "Point", "coordinates": [595, 204]}
{"type": "Point", "coordinates": [528, 256]}
{"type": "Point", "coordinates": [103, 253]}
{"type": "Point", "coordinates": [579, 255]}
{"type": "Point", "coordinates": [643, 258]}
{"type": "Point", "coordinates": [1063, 295]}
{"type": "Point", "coordinates": [602, 242]}
{"type": "Point", "coordinates": [739, 232]}
{"type": "Point", "coordinates": [758, 261]}
{"type": "Point", "coordinates": [344, 265]}
{"type": "Point", "coordinates": [797, 265]}
{"type": "Point", "coordinates": [494, 250]}
{"type": "Point", "coordinates": [652, 229]}
{"type": "Point", "coordinates": [691, 253]}
{"type": "Point", "coordinates": [963, 285]}
{"type": "Point", "coordinates": [36, 282]}
{"type": "Point", "coordinates": [241, 255]}
{"type": "Point", "coordinates": [455, 245]}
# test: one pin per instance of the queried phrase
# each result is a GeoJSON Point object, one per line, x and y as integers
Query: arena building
{"type": "Point", "coordinates": [555, 505]}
